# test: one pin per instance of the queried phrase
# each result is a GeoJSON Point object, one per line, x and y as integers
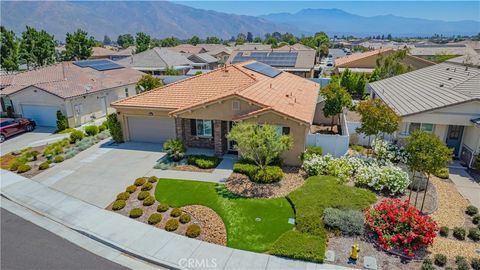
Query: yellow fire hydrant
{"type": "Point", "coordinates": [354, 253]}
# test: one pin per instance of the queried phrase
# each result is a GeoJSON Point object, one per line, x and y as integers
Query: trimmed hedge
{"type": "Point", "coordinates": [118, 204]}
{"type": "Point", "coordinates": [176, 212]}
{"type": "Point", "coordinates": [142, 195]}
{"type": "Point", "coordinates": [171, 225]}
{"type": "Point", "coordinates": [136, 212]}
{"type": "Point", "coordinates": [147, 186]}
{"type": "Point", "coordinates": [203, 162]}
{"type": "Point", "coordinates": [154, 218]}
{"type": "Point", "coordinates": [24, 168]}
{"type": "Point", "coordinates": [162, 207]}
{"type": "Point", "coordinates": [185, 218]}
{"type": "Point", "coordinates": [123, 196]}
{"type": "Point", "coordinates": [139, 181]}
{"type": "Point", "coordinates": [131, 189]}
{"type": "Point", "coordinates": [149, 201]}
{"type": "Point", "coordinates": [44, 165]}
{"type": "Point", "coordinates": [193, 231]}
{"type": "Point", "coordinates": [301, 246]}
{"type": "Point", "coordinates": [271, 174]}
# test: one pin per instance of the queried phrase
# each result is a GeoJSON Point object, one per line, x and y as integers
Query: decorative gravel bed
{"type": "Point", "coordinates": [451, 204]}
{"type": "Point", "coordinates": [191, 168]}
{"type": "Point", "coordinates": [213, 228]}
{"type": "Point", "coordinates": [240, 184]}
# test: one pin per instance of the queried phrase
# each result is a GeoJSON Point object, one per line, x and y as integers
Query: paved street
{"type": "Point", "coordinates": [27, 246]}
{"type": "Point", "coordinates": [40, 136]}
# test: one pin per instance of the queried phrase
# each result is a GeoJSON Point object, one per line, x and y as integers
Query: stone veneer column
{"type": "Point", "coordinates": [179, 130]}
{"type": "Point", "coordinates": [219, 138]}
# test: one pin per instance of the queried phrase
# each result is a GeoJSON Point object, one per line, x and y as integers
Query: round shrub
{"type": "Point", "coordinates": [475, 263]}
{"type": "Point", "coordinates": [474, 234]}
{"type": "Point", "coordinates": [76, 135]}
{"type": "Point", "coordinates": [139, 181]}
{"type": "Point", "coordinates": [171, 225]}
{"type": "Point", "coordinates": [462, 263]}
{"type": "Point", "coordinates": [14, 166]}
{"type": "Point", "coordinates": [444, 231]}
{"type": "Point", "coordinates": [142, 195]}
{"type": "Point", "coordinates": [193, 231]}
{"type": "Point", "coordinates": [23, 168]}
{"type": "Point", "coordinates": [123, 196]}
{"type": "Point", "coordinates": [185, 218]}
{"type": "Point", "coordinates": [147, 186]}
{"type": "Point", "coordinates": [459, 233]}
{"type": "Point", "coordinates": [471, 210]}
{"type": "Point", "coordinates": [91, 130]}
{"type": "Point", "coordinates": [440, 259]}
{"type": "Point", "coordinates": [271, 174]}
{"type": "Point", "coordinates": [442, 173]}
{"type": "Point", "coordinates": [476, 219]}
{"type": "Point", "coordinates": [136, 212]}
{"type": "Point", "coordinates": [58, 159]}
{"type": "Point", "coordinates": [152, 179]}
{"type": "Point", "coordinates": [131, 189]}
{"type": "Point", "coordinates": [176, 212]}
{"type": "Point", "coordinates": [149, 201]}
{"type": "Point", "coordinates": [162, 207]}
{"type": "Point", "coordinates": [154, 218]}
{"type": "Point", "coordinates": [44, 165]}
{"type": "Point", "coordinates": [118, 204]}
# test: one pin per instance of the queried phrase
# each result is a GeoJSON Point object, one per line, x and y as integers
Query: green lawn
{"type": "Point", "coordinates": [238, 214]}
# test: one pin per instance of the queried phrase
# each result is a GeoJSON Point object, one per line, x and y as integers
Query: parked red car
{"type": "Point", "coordinates": [10, 127]}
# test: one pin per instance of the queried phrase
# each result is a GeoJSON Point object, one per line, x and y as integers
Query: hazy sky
{"type": "Point", "coordinates": [442, 10]}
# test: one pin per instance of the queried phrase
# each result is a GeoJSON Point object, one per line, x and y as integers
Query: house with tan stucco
{"type": "Point", "coordinates": [202, 109]}
{"type": "Point", "coordinates": [443, 99]}
{"type": "Point", "coordinates": [81, 90]}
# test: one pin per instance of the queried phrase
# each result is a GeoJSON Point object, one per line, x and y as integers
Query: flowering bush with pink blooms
{"type": "Point", "coordinates": [400, 226]}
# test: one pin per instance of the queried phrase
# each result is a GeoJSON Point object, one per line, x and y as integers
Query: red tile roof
{"type": "Point", "coordinates": [343, 61]}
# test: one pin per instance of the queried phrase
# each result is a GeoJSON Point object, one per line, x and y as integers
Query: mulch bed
{"type": "Point", "coordinates": [430, 204]}
{"type": "Point", "coordinates": [191, 168]}
{"type": "Point", "coordinates": [240, 184]}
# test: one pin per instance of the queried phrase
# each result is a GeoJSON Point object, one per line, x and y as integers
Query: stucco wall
{"type": "Point", "coordinates": [460, 114]}
{"type": "Point", "coordinates": [471, 138]}
{"type": "Point", "coordinates": [220, 111]}
{"type": "Point", "coordinates": [35, 96]}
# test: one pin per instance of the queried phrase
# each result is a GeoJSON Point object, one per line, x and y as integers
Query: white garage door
{"type": "Point", "coordinates": [153, 130]}
{"type": "Point", "coordinates": [43, 115]}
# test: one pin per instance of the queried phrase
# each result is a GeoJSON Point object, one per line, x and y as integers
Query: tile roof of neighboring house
{"type": "Point", "coordinates": [188, 48]}
{"type": "Point", "coordinates": [156, 58]}
{"type": "Point", "coordinates": [429, 88]}
{"type": "Point", "coordinates": [286, 93]}
{"type": "Point", "coordinates": [126, 52]}
{"type": "Point", "coordinates": [434, 49]}
{"type": "Point", "coordinates": [344, 61]}
{"type": "Point", "coordinates": [68, 80]}
{"type": "Point", "coordinates": [102, 52]}
{"type": "Point", "coordinates": [202, 57]}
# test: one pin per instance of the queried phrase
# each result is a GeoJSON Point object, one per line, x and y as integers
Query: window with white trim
{"type": "Point", "coordinates": [204, 128]}
{"type": "Point", "coordinates": [427, 127]}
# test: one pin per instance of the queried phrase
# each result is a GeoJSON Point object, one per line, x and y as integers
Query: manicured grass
{"type": "Point", "coordinates": [318, 193]}
{"type": "Point", "coordinates": [238, 214]}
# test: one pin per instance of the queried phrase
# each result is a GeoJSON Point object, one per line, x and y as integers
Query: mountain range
{"type": "Point", "coordinates": [162, 18]}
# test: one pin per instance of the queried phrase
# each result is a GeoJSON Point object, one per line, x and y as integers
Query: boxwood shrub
{"type": "Point", "coordinates": [171, 225]}
{"type": "Point", "coordinates": [176, 212]}
{"type": "Point", "coordinates": [23, 168]}
{"type": "Point", "coordinates": [139, 181]}
{"type": "Point", "coordinates": [142, 195]}
{"type": "Point", "coordinates": [58, 159]}
{"type": "Point", "coordinates": [474, 234]}
{"type": "Point", "coordinates": [193, 231]}
{"type": "Point", "coordinates": [459, 233]}
{"type": "Point", "coordinates": [440, 259]}
{"type": "Point", "coordinates": [444, 231]}
{"type": "Point", "coordinates": [44, 165]}
{"type": "Point", "coordinates": [147, 186]}
{"type": "Point", "coordinates": [152, 179]}
{"type": "Point", "coordinates": [154, 218]}
{"type": "Point", "coordinates": [118, 204]}
{"type": "Point", "coordinates": [76, 135]}
{"type": "Point", "coordinates": [203, 162]}
{"type": "Point", "coordinates": [475, 263]}
{"type": "Point", "coordinates": [131, 189]}
{"type": "Point", "coordinates": [471, 210]}
{"type": "Point", "coordinates": [185, 218]}
{"type": "Point", "coordinates": [91, 130]}
{"type": "Point", "coordinates": [162, 207]}
{"type": "Point", "coordinates": [149, 201]}
{"type": "Point", "coordinates": [136, 212]}
{"type": "Point", "coordinates": [476, 219]}
{"type": "Point", "coordinates": [271, 174]}
{"type": "Point", "coordinates": [123, 196]}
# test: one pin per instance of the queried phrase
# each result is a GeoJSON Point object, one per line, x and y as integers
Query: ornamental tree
{"type": "Point", "coordinates": [142, 41]}
{"type": "Point", "coordinates": [78, 45]}
{"type": "Point", "coordinates": [376, 118]}
{"type": "Point", "coordinates": [259, 143]}
{"type": "Point", "coordinates": [400, 226]}
{"type": "Point", "coordinates": [390, 65]}
{"type": "Point", "coordinates": [336, 99]}
{"type": "Point", "coordinates": [147, 83]}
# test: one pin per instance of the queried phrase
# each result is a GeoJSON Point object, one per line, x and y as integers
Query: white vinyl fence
{"type": "Point", "coordinates": [335, 145]}
{"type": "Point", "coordinates": [360, 138]}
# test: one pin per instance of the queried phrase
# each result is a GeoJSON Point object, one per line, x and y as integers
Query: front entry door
{"type": "Point", "coordinates": [454, 138]}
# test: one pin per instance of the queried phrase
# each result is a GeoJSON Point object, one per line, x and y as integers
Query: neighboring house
{"type": "Point", "coordinates": [202, 109]}
{"type": "Point", "coordinates": [432, 51]}
{"type": "Point", "coordinates": [367, 61]}
{"type": "Point", "coordinates": [219, 51]}
{"type": "Point", "coordinates": [81, 90]}
{"type": "Point", "coordinates": [155, 61]}
{"type": "Point", "coordinates": [443, 99]}
{"type": "Point", "coordinates": [101, 53]}
{"type": "Point", "coordinates": [296, 59]}
{"type": "Point", "coordinates": [123, 53]}
{"type": "Point", "coordinates": [474, 44]}
{"type": "Point", "coordinates": [384, 44]}
{"type": "Point", "coordinates": [203, 61]}
{"type": "Point", "coordinates": [188, 48]}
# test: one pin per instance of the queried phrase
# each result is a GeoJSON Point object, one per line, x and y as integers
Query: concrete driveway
{"type": "Point", "coordinates": [99, 173]}
{"type": "Point", "coordinates": [40, 136]}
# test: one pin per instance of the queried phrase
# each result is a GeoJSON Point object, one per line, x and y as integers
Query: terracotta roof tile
{"type": "Point", "coordinates": [342, 61]}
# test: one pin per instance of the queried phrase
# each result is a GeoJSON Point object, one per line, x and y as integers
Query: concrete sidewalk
{"type": "Point", "coordinates": [135, 238]}
{"type": "Point", "coordinates": [466, 185]}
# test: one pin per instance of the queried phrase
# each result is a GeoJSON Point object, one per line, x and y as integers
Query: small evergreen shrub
{"type": "Point", "coordinates": [139, 181]}
{"type": "Point", "coordinates": [62, 122]}
{"type": "Point", "coordinates": [459, 233]}
{"type": "Point", "coordinates": [475, 263]}
{"type": "Point", "coordinates": [442, 173]}
{"type": "Point", "coordinates": [152, 179]}
{"type": "Point", "coordinates": [476, 219]}
{"type": "Point", "coordinates": [142, 195]}
{"type": "Point", "coordinates": [23, 168]}
{"type": "Point", "coordinates": [131, 189]}
{"type": "Point", "coordinates": [91, 130]}
{"type": "Point", "coordinates": [118, 204]}
{"type": "Point", "coordinates": [171, 225]}
{"type": "Point", "coordinates": [14, 166]}
{"type": "Point", "coordinates": [348, 221]}
{"type": "Point", "coordinates": [136, 212]}
{"type": "Point", "coordinates": [440, 260]}
{"type": "Point", "coordinates": [123, 196]}
{"type": "Point", "coordinates": [154, 218]}
{"type": "Point", "coordinates": [193, 231]}
{"type": "Point", "coordinates": [147, 186]}
{"type": "Point", "coordinates": [76, 135]}
{"type": "Point", "coordinates": [271, 174]}
{"type": "Point", "coordinates": [444, 231]}
{"type": "Point", "coordinates": [176, 212]}
{"type": "Point", "coordinates": [162, 207]}
{"type": "Point", "coordinates": [474, 234]}
{"type": "Point", "coordinates": [58, 159]}
{"type": "Point", "coordinates": [185, 218]}
{"type": "Point", "coordinates": [462, 263]}
{"type": "Point", "coordinates": [471, 210]}
{"type": "Point", "coordinates": [149, 201]}
{"type": "Point", "coordinates": [203, 162]}
{"type": "Point", "coordinates": [427, 264]}
{"type": "Point", "coordinates": [245, 168]}
{"type": "Point", "coordinates": [115, 128]}
{"type": "Point", "coordinates": [44, 165]}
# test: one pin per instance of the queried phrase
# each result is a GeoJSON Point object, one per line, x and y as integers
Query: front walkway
{"type": "Point", "coordinates": [466, 185]}
{"type": "Point", "coordinates": [136, 238]}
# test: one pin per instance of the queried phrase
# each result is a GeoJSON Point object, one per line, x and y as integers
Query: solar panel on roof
{"type": "Point", "coordinates": [263, 69]}
{"type": "Point", "coordinates": [100, 65]}
{"type": "Point", "coordinates": [277, 59]}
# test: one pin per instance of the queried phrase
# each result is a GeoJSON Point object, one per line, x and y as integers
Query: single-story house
{"type": "Point", "coordinates": [296, 59]}
{"type": "Point", "coordinates": [81, 90]}
{"type": "Point", "coordinates": [432, 51]}
{"type": "Point", "coordinates": [443, 99]}
{"type": "Point", "coordinates": [203, 61]}
{"type": "Point", "coordinates": [219, 51]}
{"type": "Point", "coordinates": [202, 109]}
{"type": "Point", "coordinates": [156, 60]}
{"type": "Point", "coordinates": [101, 53]}
{"type": "Point", "coordinates": [189, 48]}
{"type": "Point", "coordinates": [367, 61]}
